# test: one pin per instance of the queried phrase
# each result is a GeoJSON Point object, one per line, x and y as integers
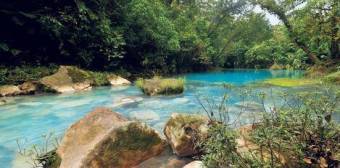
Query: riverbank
{"type": "Point", "coordinates": [65, 79]}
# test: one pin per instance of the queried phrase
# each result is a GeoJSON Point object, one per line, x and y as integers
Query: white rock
{"type": "Point", "coordinates": [118, 81]}
{"type": "Point", "coordinates": [195, 164]}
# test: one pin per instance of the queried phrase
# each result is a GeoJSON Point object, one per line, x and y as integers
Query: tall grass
{"type": "Point", "coordinates": [157, 85]}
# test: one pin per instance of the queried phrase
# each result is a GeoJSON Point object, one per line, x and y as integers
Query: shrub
{"type": "Point", "coordinates": [220, 149]}
{"type": "Point", "coordinates": [303, 132]}
{"type": "Point", "coordinates": [18, 75]}
{"type": "Point", "coordinates": [165, 86]}
{"type": "Point", "coordinates": [298, 133]}
{"type": "Point", "coordinates": [333, 78]}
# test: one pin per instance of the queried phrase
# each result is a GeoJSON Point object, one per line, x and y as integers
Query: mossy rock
{"type": "Point", "coordinates": [184, 131]}
{"type": "Point", "coordinates": [106, 139]}
{"type": "Point", "coordinates": [333, 78]}
{"type": "Point", "coordinates": [127, 146]}
{"type": "Point", "coordinates": [161, 86]}
{"type": "Point", "coordinates": [288, 82]}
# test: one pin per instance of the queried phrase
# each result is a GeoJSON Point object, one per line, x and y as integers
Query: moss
{"type": "Point", "coordinates": [96, 78]}
{"type": "Point", "coordinates": [100, 78]}
{"type": "Point", "coordinates": [288, 82]}
{"type": "Point", "coordinates": [181, 119]}
{"type": "Point", "coordinates": [135, 137]}
{"type": "Point", "coordinates": [161, 86]}
{"type": "Point", "coordinates": [78, 75]}
{"type": "Point", "coordinates": [333, 78]}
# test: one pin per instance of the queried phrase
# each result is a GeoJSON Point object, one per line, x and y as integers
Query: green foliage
{"type": "Point", "coordinates": [298, 133]}
{"type": "Point", "coordinates": [221, 148]}
{"type": "Point", "coordinates": [19, 75]}
{"type": "Point", "coordinates": [301, 132]}
{"type": "Point", "coordinates": [96, 78]}
{"type": "Point", "coordinates": [277, 50]}
{"type": "Point", "coordinates": [333, 78]}
{"type": "Point", "coordinates": [156, 36]}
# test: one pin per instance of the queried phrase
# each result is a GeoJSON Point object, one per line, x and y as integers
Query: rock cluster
{"type": "Point", "coordinates": [26, 88]}
{"type": "Point", "coordinates": [105, 139]}
{"type": "Point", "coordinates": [66, 79]}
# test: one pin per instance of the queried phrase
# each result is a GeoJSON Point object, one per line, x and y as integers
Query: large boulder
{"type": "Point", "coordinates": [67, 79]}
{"type": "Point", "coordinates": [106, 139]}
{"type": "Point", "coordinates": [182, 132]}
{"type": "Point", "coordinates": [9, 90]}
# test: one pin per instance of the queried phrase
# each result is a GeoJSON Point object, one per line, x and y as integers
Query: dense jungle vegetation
{"type": "Point", "coordinates": [168, 36]}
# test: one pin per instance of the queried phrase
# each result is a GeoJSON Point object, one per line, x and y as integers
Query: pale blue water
{"type": "Point", "coordinates": [30, 117]}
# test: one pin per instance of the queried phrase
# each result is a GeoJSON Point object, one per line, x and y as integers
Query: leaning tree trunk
{"type": "Point", "coordinates": [313, 58]}
{"type": "Point", "coordinates": [292, 35]}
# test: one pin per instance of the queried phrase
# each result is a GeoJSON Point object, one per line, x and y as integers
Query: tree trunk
{"type": "Point", "coordinates": [335, 42]}
{"type": "Point", "coordinates": [295, 38]}
{"type": "Point", "coordinates": [292, 35]}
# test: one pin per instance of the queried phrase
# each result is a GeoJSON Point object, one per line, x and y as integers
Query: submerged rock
{"type": "Point", "coordinates": [9, 90]}
{"type": "Point", "coordinates": [127, 100]}
{"type": "Point", "coordinates": [144, 115]}
{"type": "Point", "coordinates": [249, 106]}
{"type": "Point", "coordinates": [182, 131]}
{"type": "Point", "coordinates": [7, 100]}
{"type": "Point", "coordinates": [3, 102]}
{"type": "Point", "coordinates": [106, 139]}
{"type": "Point", "coordinates": [67, 79]}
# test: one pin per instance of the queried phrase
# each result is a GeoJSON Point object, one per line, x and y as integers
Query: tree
{"type": "Point", "coordinates": [281, 10]}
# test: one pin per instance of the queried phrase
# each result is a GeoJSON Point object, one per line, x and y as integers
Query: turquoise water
{"type": "Point", "coordinates": [30, 117]}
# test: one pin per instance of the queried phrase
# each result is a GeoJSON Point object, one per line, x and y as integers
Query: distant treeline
{"type": "Point", "coordinates": [167, 36]}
